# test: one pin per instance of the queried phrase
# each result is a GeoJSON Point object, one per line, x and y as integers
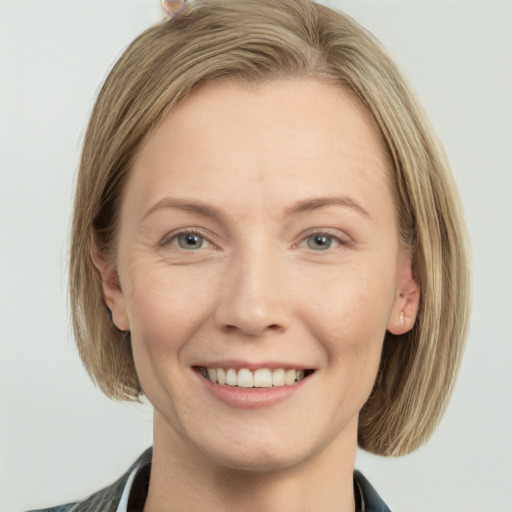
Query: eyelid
{"type": "Point", "coordinates": [340, 237]}
{"type": "Point", "coordinates": [334, 233]}
{"type": "Point", "coordinates": [173, 235]}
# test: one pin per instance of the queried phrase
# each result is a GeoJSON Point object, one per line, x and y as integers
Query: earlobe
{"type": "Point", "coordinates": [407, 300]}
{"type": "Point", "coordinates": [112, 293]}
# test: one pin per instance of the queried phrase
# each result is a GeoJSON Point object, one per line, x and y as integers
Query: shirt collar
{"type": "Point", "coordinates": [123, 504]}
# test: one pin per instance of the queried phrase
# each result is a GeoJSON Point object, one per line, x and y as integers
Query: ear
{"type": "Point", "coordinates": [112, 293]}
{"type": "Point", "coordinates": [407, 300]}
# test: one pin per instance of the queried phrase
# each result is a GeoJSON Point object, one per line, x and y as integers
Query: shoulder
{"type": "Point", "coordinates": [372, 501]}
{"type": "Point", "coordinates": [60, 508]}
{"type": "Point", "coordinates": [106, 500]}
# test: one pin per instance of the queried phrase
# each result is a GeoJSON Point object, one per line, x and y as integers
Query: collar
{"type": "Point", "coordinates": [123, 504]}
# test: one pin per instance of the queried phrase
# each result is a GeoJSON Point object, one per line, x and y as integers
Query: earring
{"type": "Point", "coordinates": [174, 8]}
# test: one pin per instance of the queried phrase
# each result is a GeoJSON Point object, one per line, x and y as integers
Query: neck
{"type": "Point", "coordinates": [184, 479]}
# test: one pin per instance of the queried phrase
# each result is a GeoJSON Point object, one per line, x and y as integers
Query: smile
{"type": "Point", "coordinates": [260, 378]}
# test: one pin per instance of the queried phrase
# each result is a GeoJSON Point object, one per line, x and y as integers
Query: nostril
{"type": "Point", "coordinates": [230, 328]}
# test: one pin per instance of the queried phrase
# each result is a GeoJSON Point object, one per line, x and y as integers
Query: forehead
{"type": "Point", "coordinates": [228, 134]}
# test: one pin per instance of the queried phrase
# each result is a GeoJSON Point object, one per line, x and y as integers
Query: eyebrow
{"type": "Point", "coordinates": [207, 210]}
{"type": "Point", "coordinates": [322, 202]}
{"type": "Point", "coordinates": [188, 205]}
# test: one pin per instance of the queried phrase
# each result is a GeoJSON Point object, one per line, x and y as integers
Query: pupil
{"type": "Point", "coordinates": [320, 242]}
{"type": "Point", "coordinates": [190, 241]}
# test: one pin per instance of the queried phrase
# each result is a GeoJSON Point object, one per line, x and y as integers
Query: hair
{"type": "Point", "coordinates": [255, 42]}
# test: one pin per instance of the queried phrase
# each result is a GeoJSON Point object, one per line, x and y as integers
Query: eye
{"type": "Point", "coordinates": [320, 242]}
{"type": "Point", "coordinates": [188, 240]}
{"type": "Point", "coordinates": [328, 240]}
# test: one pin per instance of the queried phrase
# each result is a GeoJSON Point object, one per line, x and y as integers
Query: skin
{"type": "Point", "coordinates": [275, 165]}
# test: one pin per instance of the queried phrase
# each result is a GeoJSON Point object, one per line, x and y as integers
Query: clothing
{"type": "Point", "coordinates": [129, 493]}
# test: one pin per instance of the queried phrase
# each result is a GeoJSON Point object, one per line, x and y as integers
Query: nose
{"type": "Point", "coordinates": [254, 296]}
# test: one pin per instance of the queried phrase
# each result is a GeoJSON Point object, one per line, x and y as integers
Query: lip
{"type": "Point", "coordinates": [250, 398]}
{"type": "Point", "coordinates": [238, 364]}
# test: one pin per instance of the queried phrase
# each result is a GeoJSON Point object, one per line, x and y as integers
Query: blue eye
{"type": "Point", "coordinates": [190, 241]}
{"type": "Point", "coordinates": [320, 242]}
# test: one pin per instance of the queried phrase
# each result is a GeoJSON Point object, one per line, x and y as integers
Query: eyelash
{"type": "Point", "coordinates": [340, 242]}
{"type": "Point", "coordinates": [173, 237]}
{"type": "Point", "coordinates": [170, 238]}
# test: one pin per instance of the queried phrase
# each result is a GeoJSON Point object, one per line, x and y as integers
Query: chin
{"type": "Point", "coordinates": [257, 460]}
{"type": "Point", "coordinates": [260, 451]}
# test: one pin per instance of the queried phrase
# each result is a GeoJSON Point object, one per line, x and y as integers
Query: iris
{"type": "Point", "coordinates": [190, 241]}
{"type": "Point", "coordinates": [319, 242]}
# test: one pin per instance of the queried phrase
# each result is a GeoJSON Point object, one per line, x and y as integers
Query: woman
{"type": "Point", "coordinates": [268, 244]}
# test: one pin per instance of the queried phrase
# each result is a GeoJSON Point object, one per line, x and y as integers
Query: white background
{"type": "Point", "coordinates": [60, 439]}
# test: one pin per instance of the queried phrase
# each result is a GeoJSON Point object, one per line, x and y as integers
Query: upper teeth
{"type": "Point", "coordinates": [260, 378]}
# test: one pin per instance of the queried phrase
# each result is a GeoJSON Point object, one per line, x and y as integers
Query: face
{"type": "Point", "coordinates": [258, 269]}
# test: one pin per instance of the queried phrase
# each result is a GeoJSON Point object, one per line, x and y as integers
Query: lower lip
{"type": "Point", "coordinates": [251, 398]}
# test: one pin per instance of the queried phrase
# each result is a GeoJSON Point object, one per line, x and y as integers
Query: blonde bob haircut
{"type": "Point", "coordinates": [254, 42]}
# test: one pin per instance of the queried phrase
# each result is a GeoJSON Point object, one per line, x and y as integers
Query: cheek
{"type": "Point", "coordinates": [350, 319]}
{"type": "Point", "coordinates": [164, 313]}
{"type": "Point", "coordinates": [162, 300]}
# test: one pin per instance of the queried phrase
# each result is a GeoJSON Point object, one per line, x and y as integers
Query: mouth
{"type": "Point", "coordinates": [259, 378]}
